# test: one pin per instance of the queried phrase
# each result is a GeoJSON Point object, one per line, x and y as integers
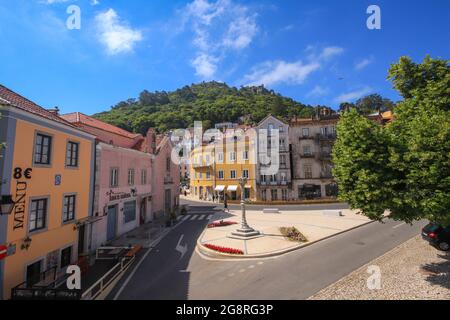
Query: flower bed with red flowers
{"type": "Point", "coordinates": [223, 249]}
{"type": "Point", "coordinates": [221, 224]}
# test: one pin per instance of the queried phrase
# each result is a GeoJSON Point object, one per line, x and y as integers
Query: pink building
{"type": "Point", "coordinates": [123, 192]}
{"type": "Point", "coordinates": [136, 181]}
{"type": "Point", "coordinates": [167, 181]}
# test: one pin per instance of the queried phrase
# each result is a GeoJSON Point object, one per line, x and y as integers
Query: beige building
{"type": "Point", "coordinates": [312, 141]}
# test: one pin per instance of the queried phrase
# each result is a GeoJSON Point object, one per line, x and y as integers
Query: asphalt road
{"type": "Point", "coordinates": [290, 207]}
{"type": "Point", "coordinates": [167, 274]}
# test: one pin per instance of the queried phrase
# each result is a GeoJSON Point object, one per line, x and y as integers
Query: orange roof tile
{"type": "Point", "coordinates": [78, 117]}
{"type": "Point", "coordinates": [16, 100]}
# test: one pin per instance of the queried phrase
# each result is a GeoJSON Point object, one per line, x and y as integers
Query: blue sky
{"type": "Point", "coordinates": [317, 52]}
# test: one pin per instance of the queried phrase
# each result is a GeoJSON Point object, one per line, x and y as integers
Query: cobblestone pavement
{"type": "Point", "coordinates": [413, 270]}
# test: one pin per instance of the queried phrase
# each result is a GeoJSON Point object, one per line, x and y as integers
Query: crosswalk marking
{"type": "Point", "coordinates": [193, 217]}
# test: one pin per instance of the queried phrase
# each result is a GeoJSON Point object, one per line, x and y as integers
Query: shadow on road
{"type": "Point", "coordinates": [439, 272]}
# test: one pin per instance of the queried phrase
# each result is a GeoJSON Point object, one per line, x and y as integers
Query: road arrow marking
{"type": "Point", "coordinates": [181, 249]}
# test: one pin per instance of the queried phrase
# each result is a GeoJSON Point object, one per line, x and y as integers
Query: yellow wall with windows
{"type": "Point", "coordinates": [41, 183]}
{"type": "Point", "coordinates": [224, 164]}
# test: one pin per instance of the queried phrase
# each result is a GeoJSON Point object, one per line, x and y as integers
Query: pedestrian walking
{"type": "Point", "coordinates": [225, 204]}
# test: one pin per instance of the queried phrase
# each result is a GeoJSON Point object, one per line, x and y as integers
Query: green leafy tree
{"type": "Point", "coordinates": [405, 166]}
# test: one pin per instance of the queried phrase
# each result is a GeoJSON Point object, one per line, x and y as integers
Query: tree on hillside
{"type": "Point", "coordinates": [405, 166]}
{"type": "Point", "coordinates": [373, 103]}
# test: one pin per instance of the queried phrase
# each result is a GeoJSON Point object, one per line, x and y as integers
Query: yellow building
{"type": "Point", "coordinates": [216, 167]}
{"type": "Point", "coordinates": [47, 167]}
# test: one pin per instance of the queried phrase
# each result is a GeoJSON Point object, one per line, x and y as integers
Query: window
{"type": "Point", "coordinates": [233, 174]}
{"type": "Point", "coordinates": [281, 129]}
{"type": "Point", "coordinates": [245, 155]}
{"type": "Point", "coordinates": [114, 177]}
{"type": "Point", "coordinates": [131, 177]}
{"type": "Point", "coordinates": [69, 208]}
{"type": "Point", "coordinates": [263, 178]}
{"type": "Point", "coordinates": [208, 175]}
{"type": "Point", "coordinates": [221, 176]}
{"type": "Point", "coordinates": [283, 160]}
{"type": "Point", "coordinates": [42, 149]}
{"type": "Point", "coordinates": [274, 194]}
{"type": "Point", "coordinates": [34, 273]}
{"type": "Point", "coordinates": [273, 178]}
{"type": "Point", "coordinates": [283, 176]}
{"type": "Point", "coordinates": [38, 214]}
{"type": "Point", "coordinates": [144, 176]}
{"type": "Point", "coordinates": [220, 157]}
{"type": "Point", "coordinates": [308, 171]}
{"type": "Point", "coordinates": [284, 194]}
{"type": "Point", "coordinates": [264, 195]}
{"type": "Point", "coordinates": [305, 132]}
{"type": "Point", "coordinates": [207, 159]}
{"type": "Point", "coordinates": [66, 257]}
{"type": "Point", "coordinates": [168, 164]}
{"type": "Point", "coordinates": [245, 173]}
{"type": "Point", "coordinates": [307, 150]}
{"type": "Point", "coordinates": [232, 156]}
{"type": "Point", "coordinates": [129, 211]}
{"type": "Point", "coordinates": [72, 154]}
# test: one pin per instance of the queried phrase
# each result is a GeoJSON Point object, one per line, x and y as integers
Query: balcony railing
{"type": "Point", "coordinates": [307, 155]}
{"type": "Point", "coordinates": [168, 180]}
{"type": "Point", "coordinates": [324, 156]}
{"type": "Point", "coordinates": [326, 175]}
{"type": "Point", "coordinates": [305, 137]}
{"type": "Point", "coordinates": [326, 137]}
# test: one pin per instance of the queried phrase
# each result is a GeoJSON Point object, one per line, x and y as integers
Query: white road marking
{"type": "Point", "coordinates": [260, 262]}
{"type": "Point", "coordinates": [193, 218]}
{"type": "Point", "coordinates": [398, 225]}
{"type": "Point", "coordinates": [251, 267]}
{"type": "Point", "coordinates": [202, 217]}
{"type": "Point", "coordinates": [242, 270]}
{"type": "Point", "coordinates": [185, 218]}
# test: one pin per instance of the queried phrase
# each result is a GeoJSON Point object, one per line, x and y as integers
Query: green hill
{"type": "Point", "coordinates": [209, 102]}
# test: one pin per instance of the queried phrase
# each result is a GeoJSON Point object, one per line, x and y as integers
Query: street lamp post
{"type": "Point", "coordinates": [245, 231]}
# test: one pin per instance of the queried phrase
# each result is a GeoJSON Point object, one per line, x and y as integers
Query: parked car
{"type": "Point", "coordinates": [437, 235]}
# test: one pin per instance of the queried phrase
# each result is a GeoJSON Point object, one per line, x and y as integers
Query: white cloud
{"type": "Point", "coordinates": [240, 33]}
{"type": "Point", "coordinates": [94, 2]}
{"type": "Point", "coordinates": [363, 63]}
{"type": "Point", "coordinates": [53, 1]}
{"type": "Point", "coordinates": [318, 91]}
{"type": "Point", "coordinates": [329, 52]}
{"type": "Point", "coordinates": [115, 34]}
{"type": "Point", "coordinates": [219, 27]}
{"type": "Point", "coordinates": [280, 71]}
{"type": "Point", "coordinates": [205, 65]}
{"type": "Point", "coordinates": [273, 72]}
{"type": "Point", "coordinates": [353, 95]}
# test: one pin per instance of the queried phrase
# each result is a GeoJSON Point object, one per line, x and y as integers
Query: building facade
{"type": "Point", "coordinates": [312, 141]}
{"type": "Point", "coordinates": [166, 179]}
{"type": "Point", "coordinates": [47, 167]}
{"type": "Point", "coordinates": [273, 185]}
{"type": "Point", "coordinates": [123, 192]}
{"type": "Point", "coordinates": [136, 181]}
{"type": "Point", "coordinates": [216, 167]}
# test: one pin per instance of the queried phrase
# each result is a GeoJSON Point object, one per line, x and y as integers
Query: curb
{"type": "Point", "coordinates": [212, 254]}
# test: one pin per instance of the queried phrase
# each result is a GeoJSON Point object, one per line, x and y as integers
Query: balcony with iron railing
{"type": "Point", "coordinates": [305, 137]}
{"type": "Point", "coordinates": [326, 175]}
{"type": "Point", "coordinates": [326, 137]}
{"type": "Point", "coordinates": [168, 180]}
{"type": "Point", "coordinates": [307, 155]}
{"type": "Point", "coordinates": [324, 156]}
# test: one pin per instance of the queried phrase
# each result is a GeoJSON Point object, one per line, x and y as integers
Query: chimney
{"type": "Point", "coordinates": [54, 111]}
{"type": "Point", "coordinates": [150, 138]}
